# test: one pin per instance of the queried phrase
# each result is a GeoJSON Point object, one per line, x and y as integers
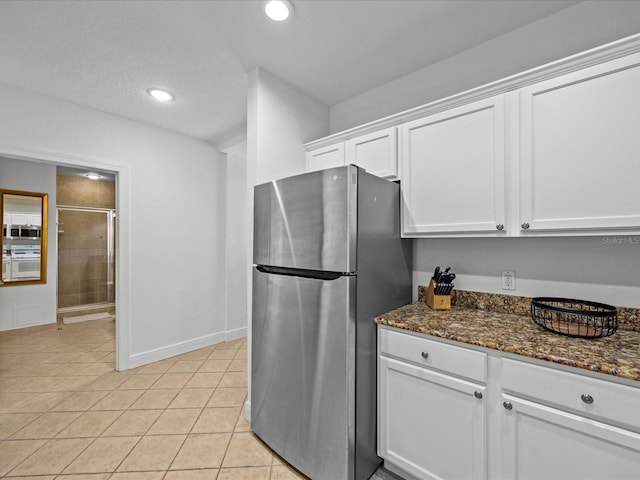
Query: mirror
{"type": "Point", "coordinates": [24, 237]}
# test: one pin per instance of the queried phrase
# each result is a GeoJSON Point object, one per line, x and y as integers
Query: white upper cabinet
{"type": "Point", "coordinates": [548, 152]}
{"type": "Point", "coordinates": [325, 157]}
{"type": "Point", "coordinates": [375, 152]}
{"type": "Point", "coordinates": [453, 171]}
{"type": "Point", "coordinates": [580, 147]}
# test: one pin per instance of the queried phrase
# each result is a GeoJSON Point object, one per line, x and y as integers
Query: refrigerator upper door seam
{"type": "Point", "coordinates": [308, 221]}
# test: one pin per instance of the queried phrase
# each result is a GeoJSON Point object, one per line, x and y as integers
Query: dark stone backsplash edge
{"type": "Point", "coordinates": [628, 318]}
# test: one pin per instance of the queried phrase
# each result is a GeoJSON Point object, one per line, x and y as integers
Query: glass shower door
{"type": "Point", "coordinates": [86, 257]}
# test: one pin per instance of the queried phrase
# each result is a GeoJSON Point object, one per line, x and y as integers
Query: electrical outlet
{"type": "Point", "coordinates": [508, 280]}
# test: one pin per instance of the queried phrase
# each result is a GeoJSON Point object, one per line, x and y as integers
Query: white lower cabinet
{"type": "Point", "coordinates": [431, 424]}
{"type": "Point", "coordinates": [504, 419]}
{"type": "Point", "coordinates": [558, 425]}
{"type": "Point", "coordinates": [542, 442]}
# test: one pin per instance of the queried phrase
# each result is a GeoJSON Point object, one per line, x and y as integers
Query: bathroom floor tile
{"type": "Point", "coordinates": [90, 424]}
{"type": "Point", "coordinates": [223, 354]}
{"type": "Point", "coordinates": [103, 455]}
{"type": "Point", "coordinates": [12, 452]}
{"type": "Point", "coordinates": [118, 400]}
{"type": "Point", "coordinates": [153, 452]}
{"type": "Point", "coordinates": [52, 458]}
{"type": "Point", "coordinates": [202, 451]}
{"type": "Point", "coordinates": [203, 474]}
{"type": "Point", "coordinates": [153, 399]}
{"type": "Point", "coordinates": [172, 380]}
{"type": "Point", "coordinates": [175, 421]}
{"type": "Point", "coordinates": [204, 379]}
{"type": "Point", "coordinates": [215, 365]}
{"type": "Point", "coordinates": [132, 422]}
{"type": "Point", "coordinates": [80, 401]}
{"type": "Point", "coordinates": [10, 423]}
{"type": "Point", "coordinates": [192, 398]}
{"type": "Point", "coordinates": [245, 473]}
{"type": "Point", "coordinates": [216, 420]}
{"type": "Point", "coordinates": [227, 397]}
{"type": "Point", "coordinates": [245, 450]}
{"type": "Point", "coordinates": [66, 414]}
{"type": "Point", "coordinates": [233, 379]}
{"type": "Point", "coordinates": [47, 425]}
{"type": "Point", "coordinates": [139, 382]}
{"type": "Point", "coordinates": [185, 366]}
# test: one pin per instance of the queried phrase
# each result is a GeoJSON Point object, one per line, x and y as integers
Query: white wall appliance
{"type": "Point", "coordinates": [25, 261]}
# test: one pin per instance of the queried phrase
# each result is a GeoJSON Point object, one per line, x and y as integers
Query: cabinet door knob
{"type": "Point", "coordinates": [500, 226]}
{"type": "Point", "coordinates": [507, 405]}
{"type": "Point", "coordinates": [425, 354]}
{"type": "Point", "coordinates": [525, 226]}
{"type": "Point", "coordinates": [477, 394]}
{"type": "Point", "coordinates": [586, 398]}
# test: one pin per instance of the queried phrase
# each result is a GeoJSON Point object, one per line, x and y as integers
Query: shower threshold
{"type": "Point", "coordinates": [90, 309]}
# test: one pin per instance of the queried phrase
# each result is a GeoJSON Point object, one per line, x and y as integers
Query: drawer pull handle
{"type": "Point", "coordinates": [425, 354]}
{"type": "Point", "coordinates": [586, 398]}
{"type": "Point", "coordinates": [477, 394]}
{"type": "Point", "coordinates": [500, 227]}
{"type": "Point", "coordinates": [525, 226]}
{"type": "Point", "coordinates": [507, 405]}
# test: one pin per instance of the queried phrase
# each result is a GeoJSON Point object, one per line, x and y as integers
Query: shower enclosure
{"type": "Point", "coordinates": [86, 258]}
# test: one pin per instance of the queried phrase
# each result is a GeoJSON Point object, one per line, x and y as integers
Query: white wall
{"type": "Point", "coordinates": [282, 119]}
{"type": "Point", "coordinates": [27, 305]}
{"type": "Point", "coordinates": [603, 269]}
{"type": "Point", "coordinates": [586, 25]}
{"type": "Point", "coordinates": [236, 226]}
{"type": "Point", "coordinates": [168, 302]}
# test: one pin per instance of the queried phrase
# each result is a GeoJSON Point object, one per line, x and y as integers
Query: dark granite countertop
{"type": "Point", "coordinates": [617, 355]}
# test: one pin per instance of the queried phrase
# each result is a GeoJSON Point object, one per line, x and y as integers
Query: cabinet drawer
{"type": "Point", "coordinates": [609, 401]}
{"type": "Point", "coordinates": [458, 361]}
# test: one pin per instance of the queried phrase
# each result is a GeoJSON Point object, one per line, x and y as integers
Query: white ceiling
{"type": "Point", "coordinates": [105, 54]}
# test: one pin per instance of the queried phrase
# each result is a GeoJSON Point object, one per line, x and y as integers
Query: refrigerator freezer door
{"type": "Point", "coordinates": [307, 221]}
{"type": "Point", "coordinates": [302, 390]}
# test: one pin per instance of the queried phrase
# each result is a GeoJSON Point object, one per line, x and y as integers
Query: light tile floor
{"type": "Point", "coordinates": [65, 413]}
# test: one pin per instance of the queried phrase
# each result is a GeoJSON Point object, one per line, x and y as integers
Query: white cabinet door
{"type": "Point", "coordinates": [453, 171]}
{"type": "Point", "coordinates": [430, 425]}
{"type": "Point", "coordinates": [375, 152]}
{"type": "Point", "coordinates": [580, 147]}
{"type": "Point", "coordinates": [540, 442]}
{"type": "Point", "coordinates": [325, 157]}
{"type": "Point", "coordinates": [20, 219]}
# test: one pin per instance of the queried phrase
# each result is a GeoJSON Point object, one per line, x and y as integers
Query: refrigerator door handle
{"type": "Point", "coordinates": [298, 272]}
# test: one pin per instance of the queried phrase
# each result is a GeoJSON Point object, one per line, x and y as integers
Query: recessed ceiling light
{"type": "Point", "coordinates": [93, 176]}
{"type": "Point", "coordinates": [161, 95]}
{"type": "Point", "coordinates": [278, 10]}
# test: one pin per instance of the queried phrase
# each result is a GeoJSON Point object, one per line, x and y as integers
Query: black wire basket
{"type": "Point", "coordinates": [574, 318]}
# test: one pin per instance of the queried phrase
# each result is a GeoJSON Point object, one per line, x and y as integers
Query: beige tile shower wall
{"type": "Point", "coordinates": [82, 260]}
{"type": "Point", "coordinates": [82, 192]}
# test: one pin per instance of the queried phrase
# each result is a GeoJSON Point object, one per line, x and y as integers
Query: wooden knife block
{"type": "Point", "coordinates": [437, 302]}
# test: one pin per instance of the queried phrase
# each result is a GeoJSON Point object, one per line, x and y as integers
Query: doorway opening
{"type": "Point", "coordinates": [86, 247]}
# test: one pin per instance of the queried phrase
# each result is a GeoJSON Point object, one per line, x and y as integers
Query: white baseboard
{"type": "Point", "coordinates": [235, 334]}
{"type": "Point", "coordinates": [139, 359]}
{"type": "Point", "coordinates": [247, 411]}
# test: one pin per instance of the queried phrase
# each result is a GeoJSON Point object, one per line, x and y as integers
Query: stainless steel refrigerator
{"type": "Point", "coordinates": [328, 259]}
